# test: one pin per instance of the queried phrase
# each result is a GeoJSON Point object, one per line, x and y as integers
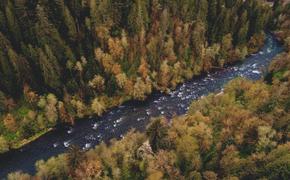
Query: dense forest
{"type": "Point", "coordinates": [68, 59]}
{"type": "Point", "coordinates": [241, 133]}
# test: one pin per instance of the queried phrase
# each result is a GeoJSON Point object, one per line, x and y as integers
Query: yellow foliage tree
{"type": "Point", "coordinates": [122, 80]}
{"type": "Point", "coordinates": [10, 122]}
{"type": "Point", "coordinates": [97, 83]}
{"type": "Point", "coordinates": [165, 74]}
{"type": "Point", "coordinates": [116, 48]}
{"type": "Point", "coordinates": [139, 89]}
{"type": "Point", "coordinates": [4, 147]}
{"type": "Point", "coordinates": [143, 68]}
{"type": "Point", "coordinates": [98, 106]}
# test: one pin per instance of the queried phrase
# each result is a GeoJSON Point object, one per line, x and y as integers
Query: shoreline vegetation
{"type": "Point", "coordinates": [63, 61]}
{"type": "Point", "coordinates": [24, 142]}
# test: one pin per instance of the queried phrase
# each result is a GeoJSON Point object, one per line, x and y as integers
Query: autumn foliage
{"type": "Point", "coordinates": [241, 133]}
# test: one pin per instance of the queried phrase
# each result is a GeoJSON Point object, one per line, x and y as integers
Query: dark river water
{"type": "Point", "coordinates": [115, 123]}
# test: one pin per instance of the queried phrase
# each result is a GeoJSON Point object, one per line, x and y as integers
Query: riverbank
{"type": "Point", "coordinates": [31, 139]}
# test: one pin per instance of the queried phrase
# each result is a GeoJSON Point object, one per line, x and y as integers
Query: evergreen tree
{"type": "Point", "coordinates": [3, 27]}
{"type": "Point", "coordinates": [212, 12]}
{"type": "Point", "coordinates": [242, 31]}
{"type": "Point", "coordinates": [157, 133]}
{"type": "Point", "coordinates": [25, 19]}
{"type": "Point", "coordinates": [50, 68]}
{"type": "Point", "coordinates": [138, 17]}
{"type": "Point", "coordinates": [187, 10]}
{"type": "Point", "coordinates": [70, 24]}
{"type": "Point", "coordinates": [202, 9]}
{"type": "Point", "coordinates": [64, 19]}
{"type": "Point", "coordinates": [20, 66]}
{"type": "Point", "coordinates": [12, 22]}
{"type": "Point", "coordinates": [2, 103]}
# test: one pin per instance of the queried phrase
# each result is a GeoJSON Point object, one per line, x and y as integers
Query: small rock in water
{"type": "Point", "coordinates": [256, 72]}
{"type": "Point", "coordinates": [141, 118]}
{"type": "Point", "coordinates": [119, 120]}
{"type": "Point", "coordinates": [70, 131]}
{"type": "Point", "coordinates": [95, 126]}
{"type": "Point", "coordinates": [66, 144]}
{"type": "Point", "coordinates": [162, 112]}
{"type": "Point", "coordinates": [55, 145]}
{"type": "Point", "coordinates": [88, 145]}
{"type": "Point", "coordinates": [179, 94]}
{"type": "Point", "coordinates": [148, 112]}
{"type": "Point", "coordinates": [269, 50]}
{"type": "Point", "coordinates": [261, 52]}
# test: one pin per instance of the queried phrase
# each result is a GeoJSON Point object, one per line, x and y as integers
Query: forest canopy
{"type": "Point", "coordinates": [67, 59]}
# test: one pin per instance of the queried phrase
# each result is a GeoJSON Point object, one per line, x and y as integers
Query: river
{"type": "Point", "coordinates": [115, 123]}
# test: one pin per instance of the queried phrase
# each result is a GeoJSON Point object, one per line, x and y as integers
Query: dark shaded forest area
{"type": "Point", "coordinates": [66, 46]}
